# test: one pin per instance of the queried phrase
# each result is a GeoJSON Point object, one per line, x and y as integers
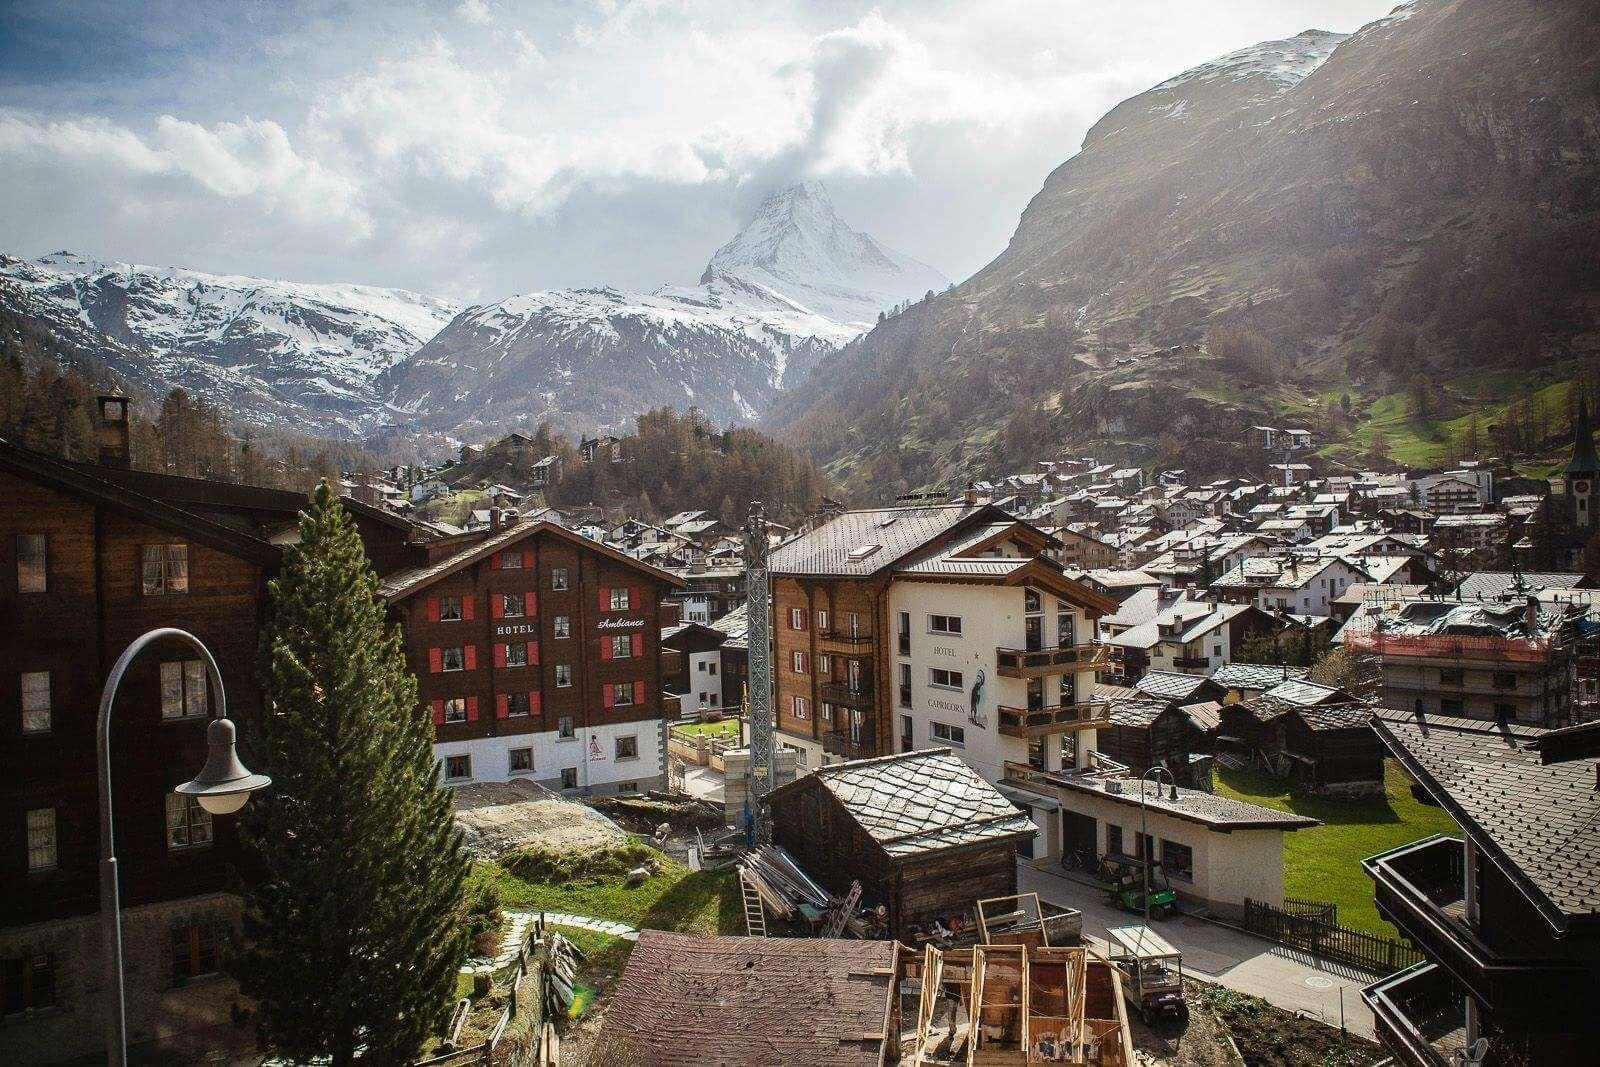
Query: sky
{"type": "Point", "coordinates": [476, 149]}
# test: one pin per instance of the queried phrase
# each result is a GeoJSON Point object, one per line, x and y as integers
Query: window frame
{"type": "Point", "coordinates": [25, 563]}
{"type": "Point", "coordinates": [955, 681]}
{"type": "Point", "coordinates": [171, 576]}
{"type": "Point", "coordinates": [513, 605]}
{"type": "Point", "coordinates": [562, 627]}
{"type": "Point", "coordinates": [512, 700]}
{"type": "Point", "coordinates": [566, 729]}
{"type": "Point", "coordinates": [563, 676]}
{"type": "Point", "coordinates": [450, 609]}
{"type": "Point", "coordinates": [618, 756]}
{"type": "Point", "coordinates": [460, 656]}
{"type": "Point", "coordinates": [954, 736]}
{"type": "Point", "coordinates": [620, 598]}
{"type": "Point", "coordinates": [33, 846]}
{"type": "Point", "coordinates": [1183, 873]}
{"type": "Point", "coordinates": [516, 653]}
{"type": "Point", "coordinates": [49, 702]}
{"type": "Point", "coordinates": [946, 631]}
{"type": "Point", "coordinates": [191, 818]}
{"type": "Point", "coordinates": [622, 695]}
{"type": "Point", "coordinates": [455, 709]}
{"type": "Point", "coordinates": [621, 646]}
{"type": "Point", "coordinates": [188, 672]}
{"type": "Point", "coordinates": [452, 758]}
{"type": "Point", "coordinates": [201, 942]}
{"type": "Point", "coordinates": [797, 661]}
{"type": "Point", "coordinates": [558, 579]}
{"type": "Point", "coordinates": [511, 760]}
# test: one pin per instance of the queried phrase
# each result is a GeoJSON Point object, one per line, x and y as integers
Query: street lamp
{"type": "Point", "coordinates": [1145, 844]}
{"type": "Point", "coordinates": [222, 787]}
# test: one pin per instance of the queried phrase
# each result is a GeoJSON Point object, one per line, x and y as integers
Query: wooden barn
{"type": "Point", "coordinates": [1144, 733]}
{"type": "Point", "coordinates": [1332, 749]}
{"type": "Point", "coordinates": [924, 835]}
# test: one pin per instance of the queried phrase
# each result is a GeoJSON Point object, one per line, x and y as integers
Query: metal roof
{"type": "Point", "coordinates": [835, 548]}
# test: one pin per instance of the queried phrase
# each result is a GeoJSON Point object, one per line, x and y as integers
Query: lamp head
{"type": "Point", "coordinates": [223, 784]}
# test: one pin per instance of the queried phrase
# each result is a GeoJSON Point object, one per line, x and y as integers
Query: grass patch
{"type": "Point", "coordinates": [1324, 862]}
{"type": "Point", "coordinates": [726, 729]}
{"type": "Point", "coordinates": [674, 898]}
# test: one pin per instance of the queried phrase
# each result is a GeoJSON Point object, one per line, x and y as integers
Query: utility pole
{"type": "Point", "coordinates": [758, 599]}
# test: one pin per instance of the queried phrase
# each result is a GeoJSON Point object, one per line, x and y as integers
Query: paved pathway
{"type": "Point", "coordinates": [1291, 980]}
{"type": "Point", "coordinates": [517, 932]}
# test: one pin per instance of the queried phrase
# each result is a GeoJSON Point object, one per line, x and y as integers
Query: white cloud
{"type": "Point", "coordinates": [476, 12]}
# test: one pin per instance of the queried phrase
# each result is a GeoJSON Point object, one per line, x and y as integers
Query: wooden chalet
{"type": "Point", "coordinates": [922, 832]}
{"type": "Point", "coordinates": [1146, 733]}
{"type": "Point", "coordinates": [1332, 749]}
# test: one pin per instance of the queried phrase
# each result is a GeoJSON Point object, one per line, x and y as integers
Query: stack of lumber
{"type": "Point", "coordinates": [561, 960]}
{"type": "Point", "coordinates": [780, 882]}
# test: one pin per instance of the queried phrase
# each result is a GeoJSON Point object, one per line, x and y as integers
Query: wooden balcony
{"type": "Point", "coordinates": [1062, 719]}
{"type": "Point", "coordinates": [851, 696]}
{"type": "Point", "coordinates": [838, 743]}
{"type": "Point", "coordinates": [1189, 663]}
{"type": "Point", "coordinates": [1420, 1015]}
{"type": "Point", "coordinates": [1020, 663]}
{"type": "Point", "coordinates": [854, 644]}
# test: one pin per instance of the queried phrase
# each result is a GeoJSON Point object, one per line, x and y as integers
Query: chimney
{"type": "Point", "coordinates": [111, 430]}
{"type": "Point", "coordinates": [1530, 614]}
{"type": "Point", "coordinates": [970, 496]}
{"type": "Point", "coordinates": [494, 518]}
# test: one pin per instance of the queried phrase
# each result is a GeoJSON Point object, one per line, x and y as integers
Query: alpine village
{"type": "Point", "coordinates": [1176, 644]}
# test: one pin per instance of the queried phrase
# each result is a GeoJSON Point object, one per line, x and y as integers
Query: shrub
{"type": "Point", "coordinates": [537, 864]}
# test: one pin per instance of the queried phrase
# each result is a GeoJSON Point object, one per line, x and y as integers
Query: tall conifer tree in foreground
{"type": "Point", "coordinates": [352, 937]}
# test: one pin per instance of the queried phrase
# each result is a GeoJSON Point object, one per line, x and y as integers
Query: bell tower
{"type": "Point", "coordinates": [1582, 472]}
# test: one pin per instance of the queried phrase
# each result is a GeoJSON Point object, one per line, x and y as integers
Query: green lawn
{"type": "Point", "coordinates": [726, 729]}
{"type": "Point", "coordinates": [703, 902]}
{"type": "Point", "coordinates": [1324, 863]}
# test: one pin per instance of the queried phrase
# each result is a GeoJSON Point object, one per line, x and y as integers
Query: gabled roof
{"type": "Point", "coordinates": [1538, 823]}
{"type": "Point", "coordinates": [839, 547]}
{"type": "Point", "coordinates": [1175, 688]}
{"type": "Point", "coordinates": [405, 583]}
{"type": "Point", "coordinates": [1302, 693]}
{"type": "Point", "coordinates": [918, 802]}
{"type": "Point", "coordinates": [683, 1000]}
{"type": "Point", "coordinates": [1262, 676]}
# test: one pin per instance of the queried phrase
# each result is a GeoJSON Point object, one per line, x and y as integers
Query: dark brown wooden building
{"type": "Point", "coordinates": [537, 653]}
{"type": "Point", "coordinates": [922, 832]}
{"type": "Point", "coordinates": [1146, 733]}
{"type": "Point", "coordinates": [1333, 749]}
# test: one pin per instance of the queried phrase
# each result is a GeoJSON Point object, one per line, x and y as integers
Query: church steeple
{"type": "Point", "coordinates": [1584, 463]}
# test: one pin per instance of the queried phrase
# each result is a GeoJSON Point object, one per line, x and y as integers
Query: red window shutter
{"type": "Point", "coordinates": [438, 713]}
{"type": "Point", "coordinates": [533, 653]}
{"type": "Point", "coordinates": [638, 644]}
{"type": "Point", "coordinates": [638, 692]}
{"type": "Point", "coordinates": [502, 707]}
{"type": "Point", "coordinates": [605, 598]}
{"type": "Point", "coordinates": [435, 660]}
{"type": "Point", "coordinates": [607, 695]}
{"type": "Point", "coordinates": [496, 606]}
{"type": "Point", "coordinates": [635, 600]}
{"type": "Point", "coordinates": [472, 657]}
{"type": "Point", "coordinates": [499, 655]}
{"type": "Point", "coordinates": [605, 648]}
{"type": "Point", "coordinates": [472, 709]}
{"type": "Point", "coordinates": [466, 607]}
{"type": "Point", "coordinates": [530, 603]}
{"type": "Point", "coordinates": [527, 559]}
{"type": "Point", "coordinates": [533, 703]}
{"type": "Point", "coordinates": [433, 609]}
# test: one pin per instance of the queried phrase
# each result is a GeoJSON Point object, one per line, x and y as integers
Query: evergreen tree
{"type": "Point", "coordinates": [353, 934]}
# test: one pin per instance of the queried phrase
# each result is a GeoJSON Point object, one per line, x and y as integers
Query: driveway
{"type": "Point", "coordinates": [1282, 976]}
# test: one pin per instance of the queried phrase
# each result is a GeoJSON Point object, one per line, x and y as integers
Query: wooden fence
{"type": "Point", "coordinates": [1314, 927]}
{"type": "Point", "coordinates": [525, 993]}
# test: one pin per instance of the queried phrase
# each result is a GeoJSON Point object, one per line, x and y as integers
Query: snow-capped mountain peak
{"type": "Point", "coordinates": [1285, 63]}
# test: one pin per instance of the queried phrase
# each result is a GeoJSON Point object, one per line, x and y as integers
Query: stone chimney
{"type": "Point", "coordinates": [111, 430]}
{"type": "Point", "coordinates": [970, 496]}
{"type": "Point", "coordinates": [1530, 614]}
{"type": "Point", "coordinates": [494, 518]}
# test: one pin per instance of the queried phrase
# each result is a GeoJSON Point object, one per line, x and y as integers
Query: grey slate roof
{"type": "Point", "coordinates": [1490, 585]}
{"type": "Point", "coordinates": [1261, 676]}
{"type": "Point", "coordinates": [1170, 685]}
{"type": "Point", "coordinates": [1540, 823]}
{"type": "Point", "coordinates": [1350, 716]}
{"type": "Point", "coordinates": [1302, 693]}
{"type": "Point", "coordinates": [736, 624]}
{"type": "Point", "coordinates": [920, 802]}
{"type": "Point", "coordinates": [826, 550]}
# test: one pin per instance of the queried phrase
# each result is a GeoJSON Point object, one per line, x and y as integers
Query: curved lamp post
{"type": "Point", "coordinates": [1145, 843]}
{"type": "Point", "coordinates": [222, 787]}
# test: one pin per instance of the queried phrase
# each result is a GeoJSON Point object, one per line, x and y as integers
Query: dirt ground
{"type": "Point", "coordinates": [1262, 1036]}
{"type": "Point", "coordinates": [497, 817]}
{"type": "Point", "coordinates": [1202, 1042]}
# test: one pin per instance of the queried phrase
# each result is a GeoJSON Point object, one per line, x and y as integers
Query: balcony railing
{"type": "Point", "coordinates": [838, 743]}
{"type": "Point", "coordinates": [858, 695]}
{"type": "Point", "coordinates": [1061, 719]}
{"type": "Point", "coordinates": [858, 639]}
{"type": "Point", "coordinates": [1022, 663]}
{"type": "Point", "coordinates": [1420, 1014]}
{"type": "Point", "coordinates": [1191, 662]}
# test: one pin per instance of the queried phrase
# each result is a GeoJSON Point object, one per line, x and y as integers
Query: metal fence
{"type": "Point", "coordinates": [1313, 926]}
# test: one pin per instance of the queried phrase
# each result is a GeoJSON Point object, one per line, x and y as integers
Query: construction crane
{"type": "Point", "coordinates": [758, 585]}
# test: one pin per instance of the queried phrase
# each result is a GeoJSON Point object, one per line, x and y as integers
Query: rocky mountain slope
{"type": "Point", "coordinates": [795, 284]}
{"type": "Point", "coordinates": [1420, 199]}
{"type": "Point", "coordinates": [300, 355]}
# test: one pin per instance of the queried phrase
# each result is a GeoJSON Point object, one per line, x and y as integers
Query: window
{"type": "Point", "coordinates": [1178, 860]}
{"type": "Point", "coordinates": [825, 712]}
{"type": "Point", "coordinates": [905, 685]}
{"type": "Point", "coordinates": [455, 709]}
{"type": "Point", "coordinates": [451, 659]}
{"type": "Point", "coordinates": [797, 619]}
{"type": "Point", "coordinates": [622, 694]}
{"type": "Point", "coordinates": [511, 605]}
{"type": "Point", "coordinates": [563, 676]}
{"type": "Point", "coordinates": [949, 735]}
{"type": "Point", "coordinates": [42, 839]}
{"type": "Point", "coordinates": [569, 778]}
{"type": "Point", "coordinates": [799, 708]}
{"type": "Point", "coordinates": [27, 983]}
{"type": "Point", "coordinates": [822, 621]}
{"type": "Point", "coordinates": [627, 748]}
{"type": "Point", "coordinates": [166, 569]}
{"type": "Point", "coordinates": [1505, 679]}
{"type": "Point", "coordinates": [1031, 604]}
{"type": "Point", "coordinates": [32, 563]}
{"type": "Point", "coordinates": [563, 627]}
{"type": "Point", "coordinates": [517, 654]}
{"type": "Point", "coordinates": [449, 609]}
{"type": "Point", "coordinates": [35, 701]}
{"type": "Point", "coordinates": [195, 951]}
{"type": "Point", "coordinates": [824, 664]}
{"type": "Point", "coordinates": [857, 717]}
{"type": "Point", "coordinates": [949, 625]}
{"type": "Point", "coordinates": [188, 824]}
{"type": "Point", "coordinates": [564, 729]}
{"type": "Point", "coordinates": [1066, 627]}
{"type": "Point", "coordinates": [183, 689]}
{"type": "Point", "coordinates": [511, 560]}
{"type": "Point", "coordinates": [940, 678]}
{"type": "Point", "coordinates": [457, 767]}
{"type": "Point", "coordinates": [521, 761]}
{"type": "Point", "coordinates": [558, 578]}
{"type": "Point", "coordinates": [907, 734]}
{"type": "Point", "coordinates": [517, 705]}
{"type": "Point", "coordinates": [621, 646]}
{"type": "Point", "coordinates": [905, 633]}
{"type": "Point", "coordinates": [619, 598]}
{"type": "Point", "coordinates": [711, 669]}
{"type": "Point", "coordinates": [798, 662]}
{"type": "Point", "coordinates": [1113, 838]}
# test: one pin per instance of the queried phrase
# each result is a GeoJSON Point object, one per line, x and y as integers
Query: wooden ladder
{"type": "Point", "coordinates": [755, 919]}
{"type": "Point", "coordinates": [837, 920]}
